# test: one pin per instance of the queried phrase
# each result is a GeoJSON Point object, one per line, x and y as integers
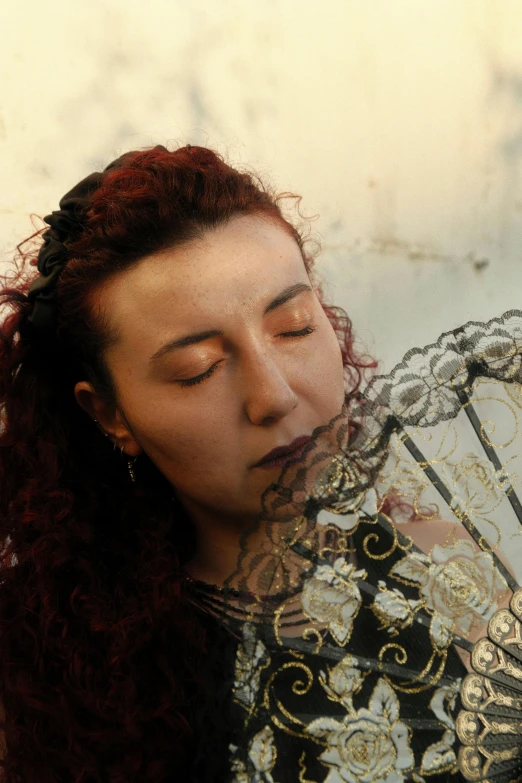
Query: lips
{"type": "Point", "coordinates": [284, 451]}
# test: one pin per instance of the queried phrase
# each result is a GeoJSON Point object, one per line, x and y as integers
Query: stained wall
{"type": "Point", "coordinates": [398, 121]}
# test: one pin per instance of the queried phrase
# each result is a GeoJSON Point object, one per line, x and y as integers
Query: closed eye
{"type": "Point", "coordinates": [199, 378]}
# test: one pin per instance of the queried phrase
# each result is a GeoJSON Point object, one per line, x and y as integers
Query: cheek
{"type": "Point", "coordinates": [169, 436]}
{"type": "Point", "coordinates": [328, 368]}
{"type": "Point", "coordinates": [187, 453]}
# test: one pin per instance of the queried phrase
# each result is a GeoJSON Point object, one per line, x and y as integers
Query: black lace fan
{"type": "Point", "coordinates": [378, 601]}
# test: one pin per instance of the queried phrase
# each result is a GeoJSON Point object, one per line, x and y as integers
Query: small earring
{"type": "Point", "coordinates": [130, 463]}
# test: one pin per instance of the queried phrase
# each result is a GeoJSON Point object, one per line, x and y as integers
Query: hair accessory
{"type": "Point", "coordinates": [65, 226]}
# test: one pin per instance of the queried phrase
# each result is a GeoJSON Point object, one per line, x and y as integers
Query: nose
{"type": "Point", "coordinates": [268, 394]}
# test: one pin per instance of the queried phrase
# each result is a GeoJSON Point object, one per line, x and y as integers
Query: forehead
{"type": "Point", "coordinates": [232, 269]}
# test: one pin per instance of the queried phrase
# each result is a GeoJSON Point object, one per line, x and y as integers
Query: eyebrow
{"type": "Point", "coordinates": [198, 337]}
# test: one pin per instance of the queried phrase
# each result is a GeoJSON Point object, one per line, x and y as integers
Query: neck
{"type": "Point", "coordinates": [214, 561]}
{"type": "Point", "coordinates": [218, 545]}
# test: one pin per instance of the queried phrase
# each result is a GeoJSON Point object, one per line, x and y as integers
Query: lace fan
{"type": "Point", "coordinates": [380, 609]}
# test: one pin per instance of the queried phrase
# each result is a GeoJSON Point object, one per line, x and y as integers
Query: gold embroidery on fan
{"type": "Point", "coordinates": [302, 769]}
{"type": "Point", "coordinates": [287, 730]}
{"type": "Point", "coordinates": [459, 577]}
{"type": "Point", "coordinates": [483, 432]}
{"type": "Point", "coordinates": [375, 537]}
{"type": "Point", "coordinates": [401, 657]}
{"type": "Point", "coordinates": [300, 688]}
{"type": "Point", "coordinates": [470, 763]}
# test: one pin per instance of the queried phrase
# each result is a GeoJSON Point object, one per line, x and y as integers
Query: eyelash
{"type": "Point", "coordinates": [199, 378]}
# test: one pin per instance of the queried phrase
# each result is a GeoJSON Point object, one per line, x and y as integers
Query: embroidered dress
{"type": "Point", "coordinates": [373, 633]}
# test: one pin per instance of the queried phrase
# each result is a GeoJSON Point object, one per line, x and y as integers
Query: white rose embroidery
{"type": "Point", "coordinates": [368, 745]}
{"type": "Point", "coordinates": [331, 596]}
{"type": "Point", "coordinates": [460, 584]}
{"type": "Point", "coordinates": [393, 609]}
{"type": "Point", "coordinates": [344, 681]}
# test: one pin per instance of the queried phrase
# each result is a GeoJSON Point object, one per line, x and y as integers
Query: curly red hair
{"type": "Point", "coordinates": [100, 653]}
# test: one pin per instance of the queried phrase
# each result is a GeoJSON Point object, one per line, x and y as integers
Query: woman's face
{"type": "Point", "coordinates": [264, 387]}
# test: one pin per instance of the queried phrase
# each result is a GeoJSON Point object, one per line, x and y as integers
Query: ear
{"type": "Point", "coordinates": [109, 419]}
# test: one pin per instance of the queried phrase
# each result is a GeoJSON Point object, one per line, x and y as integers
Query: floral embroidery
{"type": "Point", "coordinates": [393, 609]}
{"type": "Point", "coordinates": [331, 596]}
{"type": "Point", "coordinates": [334, 720]}
{"type": "Point", "coordinates": [344, 681]}
{"type": "Point", "coordinates": [460, 584]}
{"type": "Point", "coordinates": [262, 754]}
{"type": "Point", "coordinates": [346, 515]}
{"type": "Point", "coordinates": [476, 488]}
{"type": "Point", "coordinates": [368, 745]}
{"type": "Point", "coordinates": [251, 658]}
{"type": "Point", "coordinates": [441, 757]}
{"type": "Point", "coordinates": [446, 694]}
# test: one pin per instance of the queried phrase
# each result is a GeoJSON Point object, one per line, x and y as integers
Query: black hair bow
{"type": "Point", "coordinates": [65, 225]}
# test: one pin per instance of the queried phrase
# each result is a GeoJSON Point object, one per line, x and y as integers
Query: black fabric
{"type": "Point", "coordinates": [219, 719]}
{"type": "Point", "coordinates": [212, 711]}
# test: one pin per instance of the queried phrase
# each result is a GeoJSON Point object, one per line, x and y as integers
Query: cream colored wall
{"type": "Point", "coordinates": [399, 121]}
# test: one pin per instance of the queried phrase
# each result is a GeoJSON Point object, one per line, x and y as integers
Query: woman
{"type": "Point", "coordinates": [180, 603]}
{"type": "Point", "coordinates": [174, 335]}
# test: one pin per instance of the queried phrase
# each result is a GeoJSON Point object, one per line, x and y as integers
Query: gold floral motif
{"type": "Point", "coordinates": [368, 745]}
{"type": "Point", "coordinates": [343, 681]}
{"type": "Point", "coordinates": [393, 609]}
{"type": "Point", "coordinates": [474, 768]}
{"type": "Point", "coordinates": [374, 537]}
{"type": "Point", "coordinates": [480, 694]}
{"type": "Point", "coordinates": [300, 686]}
{"type": "Point", "coordinates": [346, 517]}
{"type": "Point", "coordinates": [429, 674]}
{"type": "Point", "coordinates": [440, 756]}
{"type": "Point", "coordinates": [302, 769]}
{"type": "Point", "coordinates": [488, 659]}
{"type": "Point", "coordinates": [332, 597]}
{"type": "Point", "coordinates": [238, 767]}
{"type": "Point", "coordinates": [460, 584]}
